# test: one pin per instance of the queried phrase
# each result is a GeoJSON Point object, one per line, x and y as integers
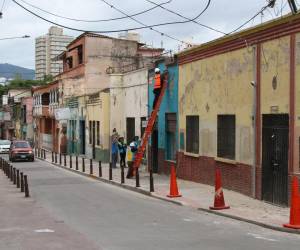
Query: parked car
{"type": "Point", "coordinates": [20, 150]}
{"type": "Point", "coordinates": [4, 146]}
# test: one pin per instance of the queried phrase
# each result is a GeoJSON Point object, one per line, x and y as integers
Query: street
{"type": "Point", "coordinates": [96, 215]}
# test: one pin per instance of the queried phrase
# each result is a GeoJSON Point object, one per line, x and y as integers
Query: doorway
{"type": "Point", "coordinates": [82, 136]}
{"type": "Point", "coordinates": [154, 150]}
{"type": "Point", "coordinates": [130, 129]}
{"type": "Point", "coordinates": [275, 144]}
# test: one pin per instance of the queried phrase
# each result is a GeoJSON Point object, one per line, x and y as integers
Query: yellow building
{"type": "Point", "coordinates": [97, 124]}
{"type": "Point", "coordinates": [239, 110]}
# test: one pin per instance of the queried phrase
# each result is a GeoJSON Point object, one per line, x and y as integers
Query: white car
{"type": "Point", "coordinates": [4, 146]}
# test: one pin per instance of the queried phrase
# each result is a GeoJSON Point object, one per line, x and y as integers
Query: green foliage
{"type": "Point", "coordinates": [18, 82]}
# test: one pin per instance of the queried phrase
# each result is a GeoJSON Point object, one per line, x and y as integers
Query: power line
{"type": "Point", "coordinates": [94, 21]}
{"type": "Point", "coordinates": [103, 31]}
{"type": "Point", "coordinates": [2, 5]}
{"type": "Point", "coordinates": [186, 18]}
{"type": "Point", "coordinates": [14, 37]}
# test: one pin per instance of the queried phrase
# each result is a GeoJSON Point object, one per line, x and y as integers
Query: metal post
{"type": "Point", "coordinates": [76, 162]}
{"type": "Point", "coordinates": [52, 154]}
{"type": "Point", "coordinates": [100, 169]}
{"type": "Point", "coordinates": [59, 158]}
{"type": "Point", "coordinates": [45, 154]}
{"type": "Point", "coordinates": [22, 182]}
{"type": "Point", "coordinates": [151, 180]}
{"type": "Point", "coordinates": [26, 186]}
{"type": "Point", "coordinates": [122, 174]}
{"type": "Point", "coordinates": [91, 166]}
{"type": "Point", "coordinates": [35, 151]}
{"type": "Point", "coordinates": [39, 152]}
{"type": "Point", "coordinates": [0, 163]}
{"type": "Point", "coordinates": [15, 176]}
{"type": "Point", "coordinates": [55, 155]}
{"type": "Point", "coordinates": [18, 178]}
{"type": "Point", "coordinates": [110, 171]}
{"type": "Point", "coordinates": [70, 161]}
{"type": "Point", "coordinates": [65, 160]}
{"type": "Point", "coordinates": [11, 173]}
{"type": "Point", "coordinates": [137, 178]}
{"type": "Point", "coordinates": [83, 165]}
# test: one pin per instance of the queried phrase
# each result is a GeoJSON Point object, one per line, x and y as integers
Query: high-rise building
{"type": "Point", "coordinates": [46, 48]}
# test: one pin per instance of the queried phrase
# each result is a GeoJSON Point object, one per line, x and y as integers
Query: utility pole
{"type": "Point", "coordinates": [293, 6]}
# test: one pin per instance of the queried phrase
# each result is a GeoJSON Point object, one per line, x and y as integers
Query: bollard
{"type": "Point", "coordinates": [35, 152]}
{"type": "Point", "coordinates": [83, 165]}
{"type": "Point", "coordinates": [18, 178]}
{"type": "Point", "coordinates": [15, 176]}
{"type": "Point", "coordinates": [100, 169]}
{"type": "Point", "coordinates": [65, 160]}
{"type": "Point", "coordinates": [122, 174]}
{"type": "Point", "coordinates": [1, 163]}
{"type": "Point", "coordinates": [110, 171]}
{"type": "Point", "coordinates": [151, 180]}
{"type": "Point", "coordinates": [26, 186]}
{"type": "Point", "coordinates": [70, 161]}
{"type": "Point", "coordinates": [91, 166]}
{"type": "Point", "coordinates": [22, 182]}
{"type": "Point", "coordinates": [55, 157]}
{"type": "Point", "coordinates": [11, 173]}
{"type": "Point", "coordinates": [39, 152]}
{"type": "Point", "coordinates": [59, 158]}
{"type": "Point", "coordinates": [52, 156]}
{"type": "Point", "coordinates": [76, 162]}
{"type": "Point", "coordinates": [137, 178]}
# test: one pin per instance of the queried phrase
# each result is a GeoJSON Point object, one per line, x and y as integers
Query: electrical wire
{"type": "Point", "coordinates": [186, 18]}
{"type": "Point", "coordinates": [2, 5]}
{"type": "Point", "coordinates": [110, 31]}
{"type": "Point", "coordinates": [93, 21]}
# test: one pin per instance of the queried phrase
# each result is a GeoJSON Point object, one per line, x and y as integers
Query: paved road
{"type": "Point", "coordinates": [113, 218]}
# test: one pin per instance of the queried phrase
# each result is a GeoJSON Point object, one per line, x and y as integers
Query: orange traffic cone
{"type": "Point", "coordinates": [173, 184]}
{"type": "Point", "coordinates": [219, 202]}
{"type": "Point", "coordinates": [295, 206]}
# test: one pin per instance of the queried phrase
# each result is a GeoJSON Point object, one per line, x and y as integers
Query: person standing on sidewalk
{"type": "Point", "coordinates": [131, 156]}
{"type": "Point", "coordinates": [122, 150]}
{"type": "Point", "coordinates": [114, 148]}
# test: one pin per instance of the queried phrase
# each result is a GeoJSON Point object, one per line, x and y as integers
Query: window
{"type": "Point", "coordinates": [90, 134]}
{"type": "Point", "coordinates": [226, 136]}
{"type": "Point", "coordinates": [70, 62]}
{"type": "Point", "coordinates": [192, 134]}
{"type": "Point", "coordinates": [98, 133]}
{"type": "Point", "coordinates": [80, 54]}
{"type": "Point", "coordinates": [143, 125]}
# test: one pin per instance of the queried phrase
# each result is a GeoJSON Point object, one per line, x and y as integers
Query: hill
{"type": "Point", "coordinates": [11, 71]}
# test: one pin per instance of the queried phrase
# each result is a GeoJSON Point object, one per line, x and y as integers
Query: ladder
{"type": "Point", "coordinates": [141, 149]}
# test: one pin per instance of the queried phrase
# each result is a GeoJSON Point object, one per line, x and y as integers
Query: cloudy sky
{"type": "Point", "coordinates": [224, 15]}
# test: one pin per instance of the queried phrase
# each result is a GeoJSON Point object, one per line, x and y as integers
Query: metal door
{"type": "Point", "coordinates": [275, 142]}
{"type": "Point", "coordinates": [94, 140]}
{"type": "Point", "coordinates": [154, 151]}
{"type": "Point", "coordinates": [82, 136]}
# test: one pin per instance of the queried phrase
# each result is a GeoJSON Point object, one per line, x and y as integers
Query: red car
{"type": "Point", "coordinates": [20, 150]}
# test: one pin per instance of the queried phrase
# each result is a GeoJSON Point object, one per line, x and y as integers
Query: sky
{"type": "Point", "coordinates": [223, 15]}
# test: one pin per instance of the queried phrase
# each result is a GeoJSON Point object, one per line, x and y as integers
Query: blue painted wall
{"type": "Point", "coordinates": [169, 103]}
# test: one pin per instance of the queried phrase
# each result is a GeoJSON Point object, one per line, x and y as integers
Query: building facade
{"type": "Point", "coordinates": [239, 100]}
{"type": "Point", "coordinates": [128, 103]}
{"type": "Point", "coordinates": [163, 145]}
{"type": "Point", "coordinates": [46, 127]}
{"type": "Point", "coordinates": [47, 47]}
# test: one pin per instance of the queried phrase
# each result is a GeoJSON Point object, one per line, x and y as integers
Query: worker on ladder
{"type": "Point", "coordinates": [157, 86]}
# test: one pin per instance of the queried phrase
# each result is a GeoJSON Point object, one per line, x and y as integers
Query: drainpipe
{"type": "Point", "coordinates": [253, 83]}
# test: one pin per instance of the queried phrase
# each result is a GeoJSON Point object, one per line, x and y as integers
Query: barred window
{"type": "Point", "coordinates": [192, 134]}
{"type": "Point", "coordinates": [226, 136]}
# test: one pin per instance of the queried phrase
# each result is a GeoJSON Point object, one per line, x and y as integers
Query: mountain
{"type": "Point", "coordinates": [11, 71]}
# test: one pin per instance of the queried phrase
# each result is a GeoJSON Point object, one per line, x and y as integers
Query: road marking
{"type": "Point", "coordinates": [257, 236]}
{"type": "Point", "coordinates": [188, 220]}
{"type": "Point", "coordinates": [46, 230]}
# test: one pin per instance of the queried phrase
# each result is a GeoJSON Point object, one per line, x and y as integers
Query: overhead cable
{"type": "Point", "coordinates": [93, 21]}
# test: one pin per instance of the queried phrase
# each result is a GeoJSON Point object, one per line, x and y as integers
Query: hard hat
{"type": "Point", "coordinates": [132, 144]}
{"type": "Point", "coordinates": [157, 70]}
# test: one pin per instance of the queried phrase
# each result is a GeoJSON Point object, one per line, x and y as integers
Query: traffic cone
{"type": "Point", "coordinates": [219, 202]}
{"type": "Point", "coordinates": [295, 206]}
{"type": "Point", "coordinates": [173, 184]}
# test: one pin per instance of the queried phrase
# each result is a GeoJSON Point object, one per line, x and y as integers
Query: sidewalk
{"type": "Point", "coordinates": [195, 195]}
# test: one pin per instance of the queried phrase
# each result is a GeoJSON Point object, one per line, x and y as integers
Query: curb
{"type": "Point", "coordinates": [148, 193]}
